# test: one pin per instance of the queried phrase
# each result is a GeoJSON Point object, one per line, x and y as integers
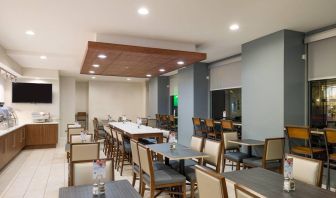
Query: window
{"type": "Point", "coordinates": [228, 101]}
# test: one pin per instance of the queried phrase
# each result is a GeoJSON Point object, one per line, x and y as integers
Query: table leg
{"type": "Point", "coordinates": [249, 151]}
{"type": "Point", "coordinates": [159, 141]}
{"type": "Point", "coordinates": [181, 168]}
{"type": "Point", "coordinates": [166, 161]}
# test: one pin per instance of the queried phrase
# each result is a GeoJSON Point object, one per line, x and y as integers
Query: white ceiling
{"type": "Point", "coordinates": [63, 27]}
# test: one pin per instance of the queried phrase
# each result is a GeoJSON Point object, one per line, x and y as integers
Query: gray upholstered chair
{"type": "Point", "coordinates": [210, 183]}
{"type": "Point", "coordinates": [160, 180]}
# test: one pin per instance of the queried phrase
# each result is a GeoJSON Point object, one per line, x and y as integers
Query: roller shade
{"type": "Point", "coordinates": [322, 59]}
{"type": "Point", "coordinates": [225, 76]}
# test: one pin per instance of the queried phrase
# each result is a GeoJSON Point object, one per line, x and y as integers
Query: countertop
{"type": "Point", "coordinates": [5, 131]}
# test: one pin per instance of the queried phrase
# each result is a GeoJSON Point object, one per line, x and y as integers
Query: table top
{"type": "Point", "coordinates": [270, 184]}
{"type": "Point", "coordinates": [181, 152]}
{"type": "Point", "coordinates": [248, 142]}
{"type": "Point", "coordinates": [132, 128]}
{"type": "Point", "coordinates": [116, 189]}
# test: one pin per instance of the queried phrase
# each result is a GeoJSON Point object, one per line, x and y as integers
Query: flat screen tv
{"type": "Point", "coordinates": [31, 93]}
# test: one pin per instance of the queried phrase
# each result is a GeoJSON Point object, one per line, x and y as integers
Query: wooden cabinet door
{"type": "Point", "coordinates": [50, 133]}
{"type": "Point", "coordinates": [34, 134]}
{"type": "Point", "coordinates": [3, 156]}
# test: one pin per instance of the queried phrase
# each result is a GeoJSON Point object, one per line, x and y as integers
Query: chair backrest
{"type": "Point", "coordinates": [196, 143]}
{"type": "Point", "coordinates": [107, 129]}
{"type": "Point", "coordinates": [144, 121]}
{"type": "Point", "coordinates": [81, 172]}
{"type": "Point", "coordinates": [120, 136]}
{"type": "Point", "coordinates": [214, 150]}
{"type": "Point", "coordinates": [74, 131]}
{"type": "Point", "coordinates": [227, 125]}
{"type": "Point", "coordinates": [209, 123]}
{"type": "Point", "coordinates": [77, 138]}
{"type": "Point", "coordinates": [146, 163]}
{"type": "Point", "coordinates": [95, 123]}
{"type": "Point", "coordinates": [274, 149]}
{"type": "Point", "coordinates": [307, 170]}
{"type": "Point", "coordinates": [196, 121]}
{"type": "Point", "coordinates": [135, 152]}
{"type": "Point", "coordinates": [157, 116]}
{"type": "Point", "coordinates": [210, 183]}
{"type": "Point", "coordinates": [330, 135]}
{"type": "Point", "coordinates": [242, 192]}
{"type": "Point", "coordinates": [298, 132]}
{"type": "Point", "coordinates": [84, 151]}
{"type": "Point", "coordinates": [227, 136]}
{"type": "Point", "coordinates": [114, 134]}
{"type": "Point", "coordinates": [164, 118]}
{"type": "Point", "coordinates": [172, 118]}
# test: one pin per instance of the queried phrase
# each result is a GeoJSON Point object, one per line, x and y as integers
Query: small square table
{"type": "Point", "coordinates": [180, 153]}
{"type": "Point", "coordinates": [249, 143]}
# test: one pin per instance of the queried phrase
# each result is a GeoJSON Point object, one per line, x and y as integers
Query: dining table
{"type": "Point", "coordinates": [179, 153]}
{"type": "Point", "coordinates": [114, 189]}
{"type": "Point", "coordinates": [266, 183]}
{"type": "Point", "coordinates": [249, 143]}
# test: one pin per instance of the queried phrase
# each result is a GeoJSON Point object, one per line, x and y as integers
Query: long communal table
{"type": "Point", "coordinates": [132, 130]}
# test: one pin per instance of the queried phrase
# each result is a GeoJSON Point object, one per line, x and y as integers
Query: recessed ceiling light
{"type": "Point", "coordinates": [180, 62]}
{"type": "Point", "coordinates": [128, 78]}
{"type": "Point", "coordinates": [148, 75]}
{"type": "Point", "coordinates": [95, 65]}
{"type": "Point", "coordinates": [162, 70]}
{"type": "Point", "coordinates": [43, 57]}
{"type": "Point", "coordinates": [91, 72]}
{"type": "Point", "coordinates": [102, 56]}
{"type": "Point", "coordinates": [93, 77]}
{"type": "Point", "coordinates": [143, 11]}
{"type": "Point", "coordinates": [234, 27]}
{"type": "Point", "coordinates": [30, 32]}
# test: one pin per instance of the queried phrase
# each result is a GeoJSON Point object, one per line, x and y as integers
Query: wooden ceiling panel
{"type": "Point", "coordinates": [135, 61]}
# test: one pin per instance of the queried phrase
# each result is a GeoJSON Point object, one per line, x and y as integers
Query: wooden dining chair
{"type": "Point", "coordinates": [144, 121]}
{"type": "Point", "coordinates": [301, 133]}
{"type": "Point", "coordinates": [214, 151]}
{"type": "Point", "coordinates": [210, 183]}
{"type": "Point", "coordinates": [107, 140]}
{"type": "Point", "coordinates": [198, 127]}
{"type": "Point", "coordinates": [272, 158]}
{"type": "Point", "coordinates": [210, 129]}
{"type": "Point", "coordinates": [81, 172]}
{"type": "Point", "coordinates": [135, 163]}
{"type": "Point", "coordinates": [74, 131]}
{"type": "Point", "coordinates": [164, 122]}
{"type": "Point", "coordinates": [330, 142]}
{"type": "Point", "coordinates": [172, 123]}
{"type": "Point", "coordinates": [307, 170]}
{"type": "Point", "coordinates": [115, 149]}
{"type": "Point", "coordinates": [231, 151]}
{"type": "Point", "coordinates": [163, 180]}
{"type": "Point", "coordinates": [227, 125]}
{"type": "Point", "coordinates": [158, 120]}
{"type": "Point", "coordinates": [243, 192]}
{"type": "Point", "coordinates": [124, 152]}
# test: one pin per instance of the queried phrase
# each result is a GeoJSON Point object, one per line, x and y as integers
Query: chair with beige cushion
{"type": "Point", "coordinates": [82, 171]}
{"type": "Point", "coordinates": [214, 151]}
{"type": "Point", "coordinates": [84, 151]}
{"type": "Point", "coordinates": [77, 138]}
{"type": "Point", "coordinates": [307, 170]}
{"type": "Point", "coordinates": [243, 192]}
{"type": "Point", "coordinates": [272, 158]}
{"type": "Point", "coordinates": [163, 180]}
{"type": "Point", "coordinates": [231, 151]}
{"type": "Point", "coordinates": [74, 131]}
{"type": "Point", "coordinates": [210, 183]}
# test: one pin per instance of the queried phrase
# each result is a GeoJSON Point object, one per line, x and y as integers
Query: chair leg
{"type": "Point", "coordinates": [184, 193]}
{"type": "Point", "coordinates": [117, 156]}
{"type": "Point", "coordinates": [122, 163]}
{"type": "Point", "coordinates": [143, 186]}
{"type": "Point", "coordinates": [192, 189]}
{"type": "Point", "coordinates": [133, 179]}
{"type": "Point", "coordinates": [152, 192]}
{"type": "Point", "coordinates": [238, 166]}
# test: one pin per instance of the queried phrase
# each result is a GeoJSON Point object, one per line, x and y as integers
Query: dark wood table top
{"type": "Point", "coordinates": [270, 184]}
{"type": "Point", "coordinates": [248, 142]}
{"type": "Point", "coordinates": [116, 189]}
{"type": "Point", "coordinates": [181, 152]}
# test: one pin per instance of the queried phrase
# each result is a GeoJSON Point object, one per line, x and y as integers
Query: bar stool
{"type": "Point", "coordinates": [330, 140]}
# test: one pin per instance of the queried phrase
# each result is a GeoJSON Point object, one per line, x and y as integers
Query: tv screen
{"type": "Point", "coordinates": [31, 93]}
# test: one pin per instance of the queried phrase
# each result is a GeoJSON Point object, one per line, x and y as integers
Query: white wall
{"type": "Point", "coordinates": [68, 102]}
{"type": "Point", "coordinates": [82, 95]}
{"type": "Point", "coordinates": [24, 110]}
{"type": "Point", "coordinates": [173, 85]}
{"type": "Point", "coordinates": [2, 90]}
{"type": "Point", "coordinates": [116, 99]}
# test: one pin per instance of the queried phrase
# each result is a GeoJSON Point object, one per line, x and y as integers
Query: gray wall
{"type": "Point", "coordinates": [266, 64]}
{"type": "Point", "coordinates": [163, 95]}
{"type": "Point", "coordinates": [201, 90]}
{"type": "Point", "coordinates": [152, 107]}
{"type": "Point", "coordinates": [186, 104]}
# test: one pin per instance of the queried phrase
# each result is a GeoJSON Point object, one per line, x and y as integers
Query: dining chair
{"type": "Point", "coordinates": [243, 192]}
{"type": "Point", "coordinates": [144, 121]}
{"type": "Point", "coordinates": [158, 120]}
{"type": "Point", "coordinates": [198, 127]}
{"type": "Point", "coordinates": [81, 172]}
{"type": "Point", "coordinates": [98, 130]}
{"type": "Point", "coordinates": [74, 131]}
{"type": "Point", "coordinates": [124, 152]}
{"type": "Point", "coordinates": [84, 151]}
{"type": "Point", "coordinates": [75, 138]}
{"type": "Point", "coordinates": [164, 122]}
{"type": "Point", "coordinates": [163, 180]}
{"type": "Point", "coordinates": [330, 142]}
{"type": "Point", "coordinates": [172, 123]}
{"type": "Point", "coordinates": [115, 151]}
{"type": "Point", "coordinates": [227, 125]}
{"type": "Point", "coordinates": [214, 151]}
{"type": "Point", "coordinates": [272, 158]}
{"type": "Point", "coordinates": [301, 133]}
{"type": "Point", "coordinates": [135, 163]}
{"type": "Point", "coordinates": [210, 183]}
{"type": "Point", "coordinates": [231, 151]}
{"type": "Point", "coordinates": [107, 139]}
{"type": "Point", "coordinates": [307, 170]}
{"type": "Point", "coordinates": [210, 129]}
